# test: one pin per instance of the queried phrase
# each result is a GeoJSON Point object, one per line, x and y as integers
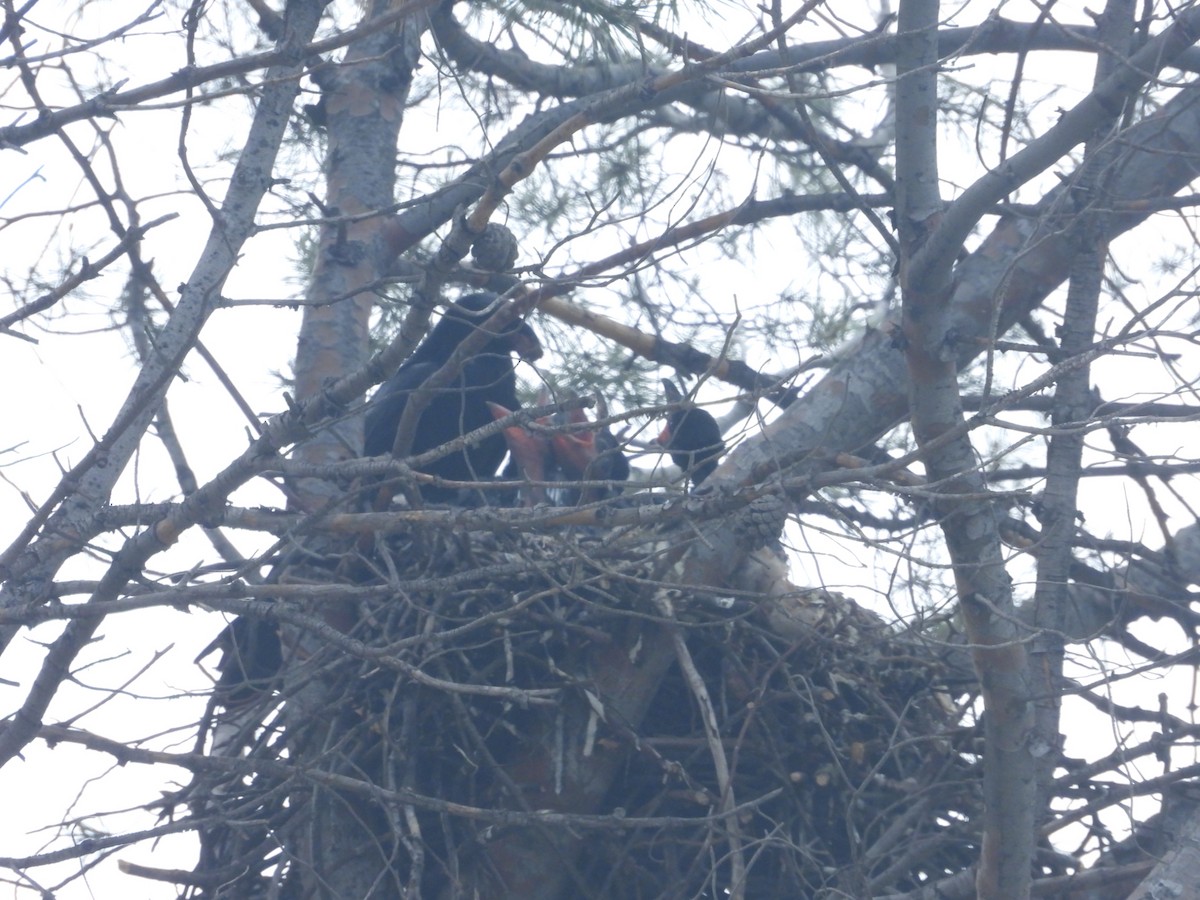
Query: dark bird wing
{"type": "Point", "coordinates": [251, 657]}
{"type": "Point", "coordinates": [388, 404]}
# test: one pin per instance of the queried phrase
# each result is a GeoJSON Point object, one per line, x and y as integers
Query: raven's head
{"type": "Point", "coordinates": [472, 311]}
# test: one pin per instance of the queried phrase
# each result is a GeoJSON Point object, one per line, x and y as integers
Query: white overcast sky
{"type": "Point", "coordinates": [61, 389]}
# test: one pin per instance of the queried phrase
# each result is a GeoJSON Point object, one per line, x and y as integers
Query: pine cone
{"type": "Point", "coordinates": [761, 522]}
{"type": "Point", "coordinates": [496, 249]}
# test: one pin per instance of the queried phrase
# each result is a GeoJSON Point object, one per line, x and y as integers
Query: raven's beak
{"type": "Point", "coordinates": [527, 345]}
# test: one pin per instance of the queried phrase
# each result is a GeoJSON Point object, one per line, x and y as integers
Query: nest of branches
{"type": "Point", "coordinates": [461, 728]}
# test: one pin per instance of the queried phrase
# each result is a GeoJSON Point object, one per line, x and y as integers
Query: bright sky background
{"type": "Point", "coordinates": [60, 389]}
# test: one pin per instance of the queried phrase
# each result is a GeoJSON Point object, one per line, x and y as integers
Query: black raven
{"type": "Point", "coordinates": [692, 437]}
{"type": "Point", "coordinates": [530, 457]}
{"type": "Point", "coordinates": [592, 455]}
{"type": "Point", "coordinates": [461, 406]}
{"type": "Point", "coordinates": [251, 658]}
{"type": "Point", "coordinates": [568, 457]}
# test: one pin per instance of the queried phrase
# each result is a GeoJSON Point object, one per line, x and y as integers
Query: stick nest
{"type": "Point", "coordinates": [462, 706]}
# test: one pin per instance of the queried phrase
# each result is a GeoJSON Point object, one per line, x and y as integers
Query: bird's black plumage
{"type": "Point", "coordinates": [461, 406]}
{"type": "Point", "coordinates": [692, 437]}
{"type": "Point", "coordinates": [251, 657]}
{"type": "Point", "coordinates": [611, 462]}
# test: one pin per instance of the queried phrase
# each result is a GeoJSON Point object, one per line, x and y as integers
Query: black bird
{"type": "Point", "coordinates": [462, 405]}
{"type": "Point", "coordinates": [251, 659]}
{"type": "Point", "coordinates": [530, 457]}
{"type": "Point", "coordinates": [692, 437]}
{"type": "Point", "coordinates": [593, 454]}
